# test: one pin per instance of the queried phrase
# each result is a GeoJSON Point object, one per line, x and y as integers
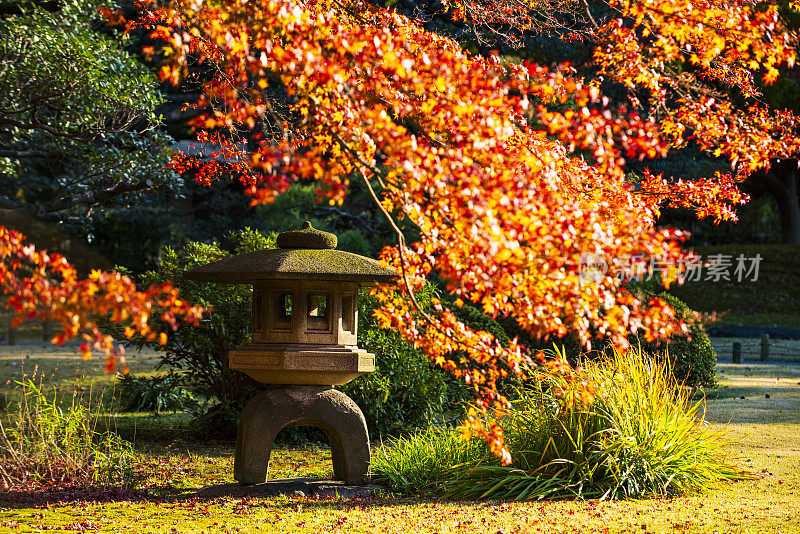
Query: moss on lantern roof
{"type": "Point", "coordinates": [304, 254]}
{"type": "Point", "coordinates": [293, 264]}
{"type": "Point", "coordinates": [307, 237]}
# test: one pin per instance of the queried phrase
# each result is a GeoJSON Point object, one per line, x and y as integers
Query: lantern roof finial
{"type": "Point", "coordinates": [307, 237]}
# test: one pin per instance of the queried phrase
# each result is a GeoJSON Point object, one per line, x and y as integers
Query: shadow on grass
{"type": "Point", "coordinates": [306, 490]}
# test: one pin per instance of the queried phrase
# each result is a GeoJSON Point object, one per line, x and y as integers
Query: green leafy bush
{"type": "Point", "coordinates": [477, 320]}
{"type": "Point", "coordinates": [406, 390]}
{"type": "Point", "coordinates": [694, 360]}
{"type": "Point", "coordinates": [202, 352]}
{"type": "Point", "coordinates": [643, 435]}
{"type": "Point", "coordinates": [157, 393]}
{"type": "Point", "coordinates": [45, 443]}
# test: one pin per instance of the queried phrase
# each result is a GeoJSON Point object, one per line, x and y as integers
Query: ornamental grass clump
{"type": "Point", "coordinates": [44, 443]}
{"type": "Point", "coordinates": [642, 435]}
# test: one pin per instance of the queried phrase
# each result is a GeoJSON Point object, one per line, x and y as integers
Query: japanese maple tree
{"type": "Point", "coordinates": [474, 151]}
{"type": "Point", "coordinates": [510, 172]}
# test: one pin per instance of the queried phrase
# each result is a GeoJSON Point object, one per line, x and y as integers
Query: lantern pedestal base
{"type": "Point", "coordinates": [332, 411]}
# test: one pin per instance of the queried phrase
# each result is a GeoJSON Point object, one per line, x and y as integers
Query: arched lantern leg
{"type": "Point", "coordinates": [324, 407]}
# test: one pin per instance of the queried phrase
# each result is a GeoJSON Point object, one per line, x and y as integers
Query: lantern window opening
{"type": "Point", "coordinates": [317, 312]}
{"type": "Point", "coordinates": [282, 312]}
{"type": "Point", "coordinates": [317, 305]}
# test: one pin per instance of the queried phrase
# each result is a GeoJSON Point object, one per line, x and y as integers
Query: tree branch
{"type": "Point", "coordinates": [96, 197]}
{"type": "Point", "coordinates": [589, 14]}
{"type": "Point", "coordinates": [26, 154]}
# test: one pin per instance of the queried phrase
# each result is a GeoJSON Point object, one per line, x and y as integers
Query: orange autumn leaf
{"type": "Point", "coordinates": [44, 286]}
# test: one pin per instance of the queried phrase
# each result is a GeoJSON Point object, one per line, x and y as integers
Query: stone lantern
{"type": "Point", "coordinates": [304, 325]}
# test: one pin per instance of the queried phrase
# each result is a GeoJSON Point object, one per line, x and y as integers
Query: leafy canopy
{"type": "Point", "coordinates": [509, 172]}
{"type": "Point", "coordinates": [478, 154]}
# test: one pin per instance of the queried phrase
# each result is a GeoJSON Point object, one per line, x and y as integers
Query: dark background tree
{"type": "Point", "coordinates": [79, 130]}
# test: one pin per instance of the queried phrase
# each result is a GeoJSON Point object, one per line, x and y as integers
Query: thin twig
{"type": "Point", "coordinates": [589, 14]}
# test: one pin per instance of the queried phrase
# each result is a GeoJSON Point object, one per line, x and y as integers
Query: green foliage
{"type": "Point", "coordinates": [46, 443]}
{"type": "Point", "coordinates": [291, 209]}
{"type": "Point", "coordinates": [477, 320]}
{"type": "Point", "coordinates": [157, 393]}
{"type": "Point", "coordinates": [406, 390]}
{"type": "Point", "coordinates": [643, 435]}
{"type": "Point", "coordinates": [774, 292]}
{"type": "Point", "coordinates": [693, 358]}
{"type": "Point", "coordinates": [424, 463]}
{"type": "Point", "coordinates": [202, 352]}
{"type": "Point", "coordinates": [195, 213]}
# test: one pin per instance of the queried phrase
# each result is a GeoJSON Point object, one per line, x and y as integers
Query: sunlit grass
{"type": "Point", "coordinates": [765, 434]}
{"type": "Point", "coordinates": [642, 436]}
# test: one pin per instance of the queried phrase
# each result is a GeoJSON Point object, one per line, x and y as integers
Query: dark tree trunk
{"type": "Point", "coordinates": [781, 182]}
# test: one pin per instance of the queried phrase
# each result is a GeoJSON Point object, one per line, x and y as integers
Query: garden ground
{"type": "Point", "coordinates": [760, 403]}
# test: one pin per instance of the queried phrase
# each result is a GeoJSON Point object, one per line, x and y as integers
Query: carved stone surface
{"type": "Point", "coordinates": [336, 414]}
{"type": "Point", "coordinates": [302, 364]}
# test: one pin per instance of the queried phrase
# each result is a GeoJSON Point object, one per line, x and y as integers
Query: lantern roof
{"type": "Point", "coordinates": [305, 254]}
